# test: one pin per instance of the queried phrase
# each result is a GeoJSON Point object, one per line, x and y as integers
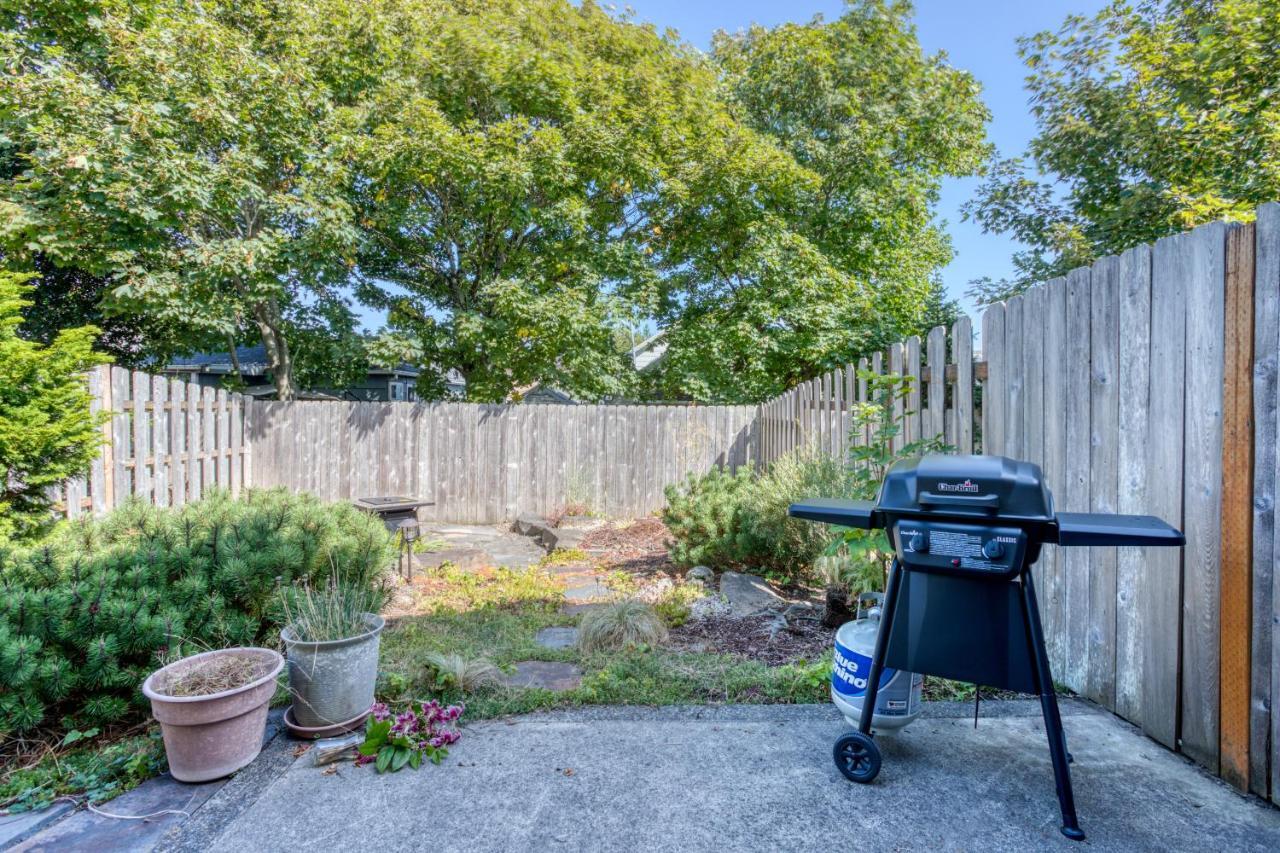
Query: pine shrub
{"type": "Point", "coordinates": [739, 520]}
{"type": "Point", "coordinates": [90, 611]}
{"type": "Point", "coordinates": [704, 515]}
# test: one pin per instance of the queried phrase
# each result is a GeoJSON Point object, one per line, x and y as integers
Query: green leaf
{"type": "Point", "coordinates": [415, 759]}
{"type": "Point", "coordinates": [401, 757]}
{"type": "Point", "coordinates": [384, 758]}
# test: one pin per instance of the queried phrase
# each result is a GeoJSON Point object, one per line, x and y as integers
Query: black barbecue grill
{"type": "Point", "coordinates": [960, 602]}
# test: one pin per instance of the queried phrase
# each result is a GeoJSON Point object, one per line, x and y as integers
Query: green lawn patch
{"type": "Point", "coordinates": [495, 614]}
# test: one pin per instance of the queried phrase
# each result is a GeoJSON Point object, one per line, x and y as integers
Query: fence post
{"type": "Point", "coordinates": [1237, 508]}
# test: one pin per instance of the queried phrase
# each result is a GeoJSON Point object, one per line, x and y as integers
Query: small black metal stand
{"type": "Point", "coordinates": [855, 746]}
{"type": "Point", "coordinates": [400, 515]}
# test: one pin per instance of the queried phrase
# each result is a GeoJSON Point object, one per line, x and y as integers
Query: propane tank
{"type": "Point", "coordinates": [898, 700]}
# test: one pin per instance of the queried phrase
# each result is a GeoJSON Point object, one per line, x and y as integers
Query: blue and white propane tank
{"type": "Point", "coordinates": [898, 700]}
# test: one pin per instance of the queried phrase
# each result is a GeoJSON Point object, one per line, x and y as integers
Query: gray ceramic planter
{"type": "Point", "coordinates": [208, 737]}
{"type": "Point", "coordinates": [333, 682]}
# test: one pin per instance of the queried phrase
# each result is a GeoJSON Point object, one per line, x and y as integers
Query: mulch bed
{"type": "Point", "coordinates": [749, 637]}
{"type": "Point", "coordinates": [639, 548]}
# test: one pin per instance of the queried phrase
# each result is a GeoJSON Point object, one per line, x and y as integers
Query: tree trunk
{"type": "Point", "coordinates": [267, 317]}
{"type": "Point", "coordinates": [235, 358]}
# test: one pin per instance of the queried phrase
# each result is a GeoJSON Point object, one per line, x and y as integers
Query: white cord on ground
{"type": "Point", "coordinates": [91, 807]}
{"type": "Point", "coordinates": [160, 813]}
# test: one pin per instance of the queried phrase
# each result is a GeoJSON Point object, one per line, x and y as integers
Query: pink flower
{"type": "Point", "coordinates": [380, 712]}
{"type": "Point", "coordinates": [362, 759]}
{"type": "Point", "coordinates": [405, 723]}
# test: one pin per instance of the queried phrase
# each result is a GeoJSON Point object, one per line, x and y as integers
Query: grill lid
{"type": "Point", "coordinates": [969, 486]}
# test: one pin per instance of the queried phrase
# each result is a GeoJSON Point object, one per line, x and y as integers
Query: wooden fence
{"type": "Point", "coordinates": [940, 402]}
{"type": "Point", "coordinates": [1146, 383]}
{"type": "Point", "coordinates": [486, 463]}
{"type": "Point", "coordinates": [167, 442]}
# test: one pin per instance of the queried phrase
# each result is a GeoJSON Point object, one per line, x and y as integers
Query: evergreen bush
{"type": "Point", "coordinates": [725, 520]}
{"type": "Point", "coordinates": [704, 515]}
{"type": "Point", "coordinates": [47, 433]}
{"type": "Point", "coordinates": [90, 611]}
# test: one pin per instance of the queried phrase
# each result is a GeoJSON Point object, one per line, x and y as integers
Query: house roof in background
{"type": "Point", "coordinates": [253, 362]}
{"type": "Point", "coordinates": [649, 351]}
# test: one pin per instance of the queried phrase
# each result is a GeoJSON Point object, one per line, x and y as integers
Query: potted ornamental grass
{"type": "Point", "coordinates": [212, 709]}
{"type": "Point", "coordinates": [331, 639]}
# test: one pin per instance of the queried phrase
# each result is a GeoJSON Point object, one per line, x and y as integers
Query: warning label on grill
{"type": "Point", "coordinates": [955, 544]}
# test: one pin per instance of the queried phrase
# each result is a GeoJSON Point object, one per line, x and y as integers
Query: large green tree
{"type": "Point", "coordinates": [772, 287]}
{"type": "Point", "coordinates": [516, 173]}
{"type": "Point", "coordinates": [1151, 118]}
{"type": "Point", "coordinates": [194, 155]}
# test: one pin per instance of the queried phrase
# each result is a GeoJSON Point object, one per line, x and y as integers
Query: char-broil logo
{"type": "Point", "coordinates": [966, 486]}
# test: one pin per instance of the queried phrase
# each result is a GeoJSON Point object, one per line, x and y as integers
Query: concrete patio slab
{"type": "Point", "coordinates": [758, 778]}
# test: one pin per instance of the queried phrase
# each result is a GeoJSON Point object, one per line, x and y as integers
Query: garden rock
{"type": "Point", "coordinates": [710, 607]}
{"type": "Point", "coordinates": [529, 524]}
{"type": "Point", "coordinates": [557, 638]}
{"type": "Point", "coordinates": [747, 594]}
{"type": "Point", "coordinates": [547, 675]}
{"type": "Point", "coordinates": [562, 538]}
{"type": "Point", "coordinates": [700, 574]}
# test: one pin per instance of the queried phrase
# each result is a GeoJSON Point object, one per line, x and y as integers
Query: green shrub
{"type": "Point", "coordinates": [783, 546]}
{"type": "Point", "coordinates": [47, 433]}
{"type": "Point", "coordinates": [740, 520]}
{"type": "Point", "coordinates": [704, 515]}
{"type": "Point", "coordinates": [88, 613]}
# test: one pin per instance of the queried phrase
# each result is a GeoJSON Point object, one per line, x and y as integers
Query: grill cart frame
{"type": "Point", "coordinates": [966, 531]}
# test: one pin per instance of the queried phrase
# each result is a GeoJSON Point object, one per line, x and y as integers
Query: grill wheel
{"type": "Point", "coordinates": [857, 756]}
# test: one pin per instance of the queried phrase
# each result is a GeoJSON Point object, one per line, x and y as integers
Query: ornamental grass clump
{"type": "Point", "coordinates": [459, 672]}
{"type": "Point", "coordinates": [621, 625]}
{"type": "Point", "coordinates": [332, 611]}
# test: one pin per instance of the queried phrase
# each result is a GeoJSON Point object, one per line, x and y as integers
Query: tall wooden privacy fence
{"type": "Point", "coordinates": [939, 403]}
{"type": "Point", "coordinates": [167, 442]}
{"type": "Point", "coordinates": [485, 463]}
{"type": "Point", "coordinates": [1146, 383]}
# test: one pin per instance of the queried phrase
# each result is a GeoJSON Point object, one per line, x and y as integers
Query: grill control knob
{"type": "Point", "coordinates": [919, 542]}
{"type": "Point", "coordinates": [992, 549]}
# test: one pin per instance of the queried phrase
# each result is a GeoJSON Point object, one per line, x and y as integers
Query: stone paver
{"type": "Point", "coordinates": [467, 559]}
{"type": "Point", "coordinates": [557, 638]}
{"type": "Point", "coordinates": [549, 675]}
{"type": "Point", "coordinates": [18, 827]}
{"type": "Point", "coordinates": [577, 609]}
{"type": "Point", "coordinates": [588, 591]}
{"type": "Point", "coordinates": [747, 594]}
{"type": "Point", "coordinates": [88, 831]}
{"type": "Point", "coordinates": [472, 546]}
{"type": "Point", "coordinates": [760, 778]}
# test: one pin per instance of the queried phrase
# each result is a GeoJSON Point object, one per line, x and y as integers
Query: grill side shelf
{"type": "Point", "coordinates": [860, 514]}
{"type": "Point", "coordinates": [1087, 528]}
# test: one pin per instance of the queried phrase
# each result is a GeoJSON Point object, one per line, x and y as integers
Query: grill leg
{"type": "Point", "coordinates": [1049, 707]}
{"type": "Point", "coordinates": [882, 646]}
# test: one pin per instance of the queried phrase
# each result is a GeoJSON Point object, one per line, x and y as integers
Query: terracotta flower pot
{"type": "Point", "coordinates": [208, 737]}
